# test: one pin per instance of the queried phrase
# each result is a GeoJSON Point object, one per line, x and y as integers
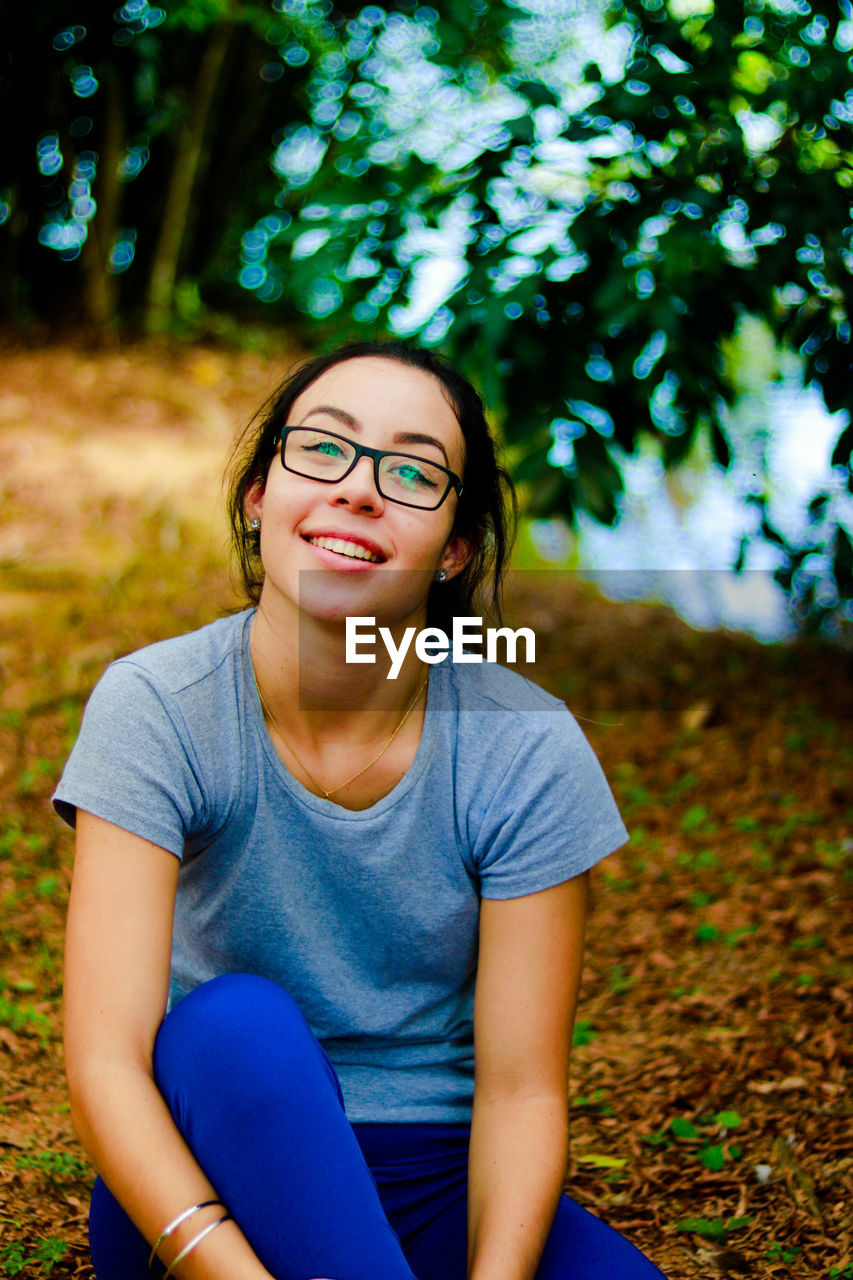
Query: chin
{"type": "Point", "coordinates": [391, 596]}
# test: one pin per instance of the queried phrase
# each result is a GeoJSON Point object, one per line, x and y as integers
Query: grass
{"type": "Point", "coordinates": [17, 1256]}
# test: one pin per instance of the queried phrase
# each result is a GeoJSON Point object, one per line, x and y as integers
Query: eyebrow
{"type": "Point", "coordinates": [400, 437]}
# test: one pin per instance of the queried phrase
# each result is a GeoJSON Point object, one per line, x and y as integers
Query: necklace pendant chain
{"type": "Point", "coordinates": [328, 794]}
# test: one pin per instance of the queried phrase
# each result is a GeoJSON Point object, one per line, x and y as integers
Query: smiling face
{"type": "Point", "coordinates": [370, 555]}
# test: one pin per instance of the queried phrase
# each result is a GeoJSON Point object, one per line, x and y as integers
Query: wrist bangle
{"type": "Point", "coordinates": [175, 1223]}
{"type": "Point", "coordinates": [196, 1240]}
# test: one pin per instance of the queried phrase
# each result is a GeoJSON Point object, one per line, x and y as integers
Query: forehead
{"type": "Point", "coordinates": [384, 397]}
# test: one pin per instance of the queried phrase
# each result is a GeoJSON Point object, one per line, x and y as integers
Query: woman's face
{"type": "Point", "coordinates": [387, 405]}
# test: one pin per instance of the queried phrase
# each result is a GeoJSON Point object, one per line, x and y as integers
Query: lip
{"type": "Point", "coordinates": [343, 536]}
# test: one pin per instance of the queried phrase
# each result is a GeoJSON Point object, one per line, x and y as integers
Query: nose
{"type": "Point", "coordinates": [358, 489]}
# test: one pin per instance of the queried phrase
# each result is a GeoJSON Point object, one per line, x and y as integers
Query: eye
{"type": "Point", "coordinates": [323, 444]}
{"type": "Point", "coordinates": [411, 474]}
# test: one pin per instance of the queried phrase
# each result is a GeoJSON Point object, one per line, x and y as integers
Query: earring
{"type": "Point", "coordinates": [441, 575]}
{"type": "Point", "coordinates": [255, 523]}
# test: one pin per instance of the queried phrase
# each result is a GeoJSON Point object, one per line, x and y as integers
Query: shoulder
{"type": "Point", "coordinates": [179, 688]}
{"type": "Point", "coordinates": [514, 739]}
{"type": "Point", "coordinates": [488, 687]}
{"type": "Point", "coordinates": [187, 661]}
{"type": "Point", "coordinates": [159, 750]}
{"type": "Point", "coordinates": [499, 712]}
{"type": "Point", "coordinates": [506, 728]}
{"type": "Point", "coordinates": [531, 794]}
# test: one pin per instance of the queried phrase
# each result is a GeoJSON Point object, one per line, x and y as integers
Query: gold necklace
{"type": "Point", "coordinates": [352, 778]}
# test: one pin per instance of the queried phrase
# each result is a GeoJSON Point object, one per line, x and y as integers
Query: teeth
{"type": "Point", "coordinates": [344, 548]}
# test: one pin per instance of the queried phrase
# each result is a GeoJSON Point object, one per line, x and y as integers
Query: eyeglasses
{"type": "Point", "coordinates": [399, 477]}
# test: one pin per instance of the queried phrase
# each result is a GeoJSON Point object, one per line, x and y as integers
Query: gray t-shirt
{"type": "Point", "coordinates": [369, 918]}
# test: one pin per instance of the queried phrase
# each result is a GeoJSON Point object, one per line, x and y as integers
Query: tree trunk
{"type": "Point", "coordinates": [164, 270]}
{"type": "Point", "coordinates": [99, 286]}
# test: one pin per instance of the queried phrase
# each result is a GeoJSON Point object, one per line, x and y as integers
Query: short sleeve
{"type": "Point", "coordinates": [133, 763]}
{"type": "Point", "coordinates": [551, 815]}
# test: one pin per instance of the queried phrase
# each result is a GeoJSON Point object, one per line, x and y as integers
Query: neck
{"type": "Point", "coordinates": [320, 685]}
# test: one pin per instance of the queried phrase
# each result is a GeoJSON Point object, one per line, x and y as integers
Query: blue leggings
{"type": "Point", "coordinates": [256, 1098]}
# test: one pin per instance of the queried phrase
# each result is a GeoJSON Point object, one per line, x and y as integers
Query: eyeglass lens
{"type": "Point", "coordinates": [414, 481]}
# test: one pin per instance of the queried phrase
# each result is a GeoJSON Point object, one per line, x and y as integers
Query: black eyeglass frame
{"type": "Point", "coordinates": [362, 450]}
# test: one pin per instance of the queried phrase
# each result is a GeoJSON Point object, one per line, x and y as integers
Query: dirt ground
{"type": "Point", "coordinates": [710, 1103]}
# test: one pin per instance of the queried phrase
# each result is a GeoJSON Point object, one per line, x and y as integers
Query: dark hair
{"type": "Point", "coordinates": [486, 512]}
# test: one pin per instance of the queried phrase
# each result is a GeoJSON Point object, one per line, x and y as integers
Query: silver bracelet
{"type": "Point", "coordinates": [192, 1244]}
{"type": "Point", "coordinates": [175, 1223]}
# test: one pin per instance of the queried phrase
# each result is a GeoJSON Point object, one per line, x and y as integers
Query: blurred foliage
{"type": "Point", "coordinates": [616, 228]}
{"type": "Point", "coordinates": [610, 191]}
{"type": "Point", "coordinates": [140, 134]}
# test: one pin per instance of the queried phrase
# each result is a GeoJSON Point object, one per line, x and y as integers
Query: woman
{"type": "Point", "coordinates": [315, 868]}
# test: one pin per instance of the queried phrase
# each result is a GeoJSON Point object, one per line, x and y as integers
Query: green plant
{"type": "Point", "coordinates": [48, 886]}
{"type": "Point", "coordinates": [623, 884]}
{"type": "Point", "coordinates": [685, 783]}
{"type": "Point", "coordinates": [697, 817]}
{"type": "Point", "coordinates": [707, 932]}
{"type": "Point", "coordinates": [23, 986]}
{"type": "Point", "coordinates": [594, 1103]}
{"type": "Point", "coordinates": [12, 1258]}
{"type": "Point", "coordinates": [619, 980]}
{"type": "Point", "coordinates": [583, 1033]}
{"type": "Point", "coordinates": [55, 1166]}
{"type": "Point", "coordinates": [9, 839]}
{"type": "Point", "coordinates": [807, 944]}
{"type": "Point", "coordinates": [632, 793]}
{"type": "Point", "coordinates": [780, 1253]}
{"type": "Point", "coordinates": [712, 1157]}
{"type": "Point", "coordinates": [24, 1018]}
{"type": "Point", "coordinates": [712, 1154]}
{"type": "Point", "coordinates": [30, 778]}
{"type": "Point", "coordinates": [49, 1252]}
{"type": "Point", "coordinates": [734, 936]}
{"type": "Point", "coordinates": [715, 1229]}
{"type": "Point", "coordinates": [702, 860]}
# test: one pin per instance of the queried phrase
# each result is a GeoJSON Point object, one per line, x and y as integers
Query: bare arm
{"type": "Point", "coordinates": [530, 959]}
{"type": "Point", "coordinates": [116, 985]}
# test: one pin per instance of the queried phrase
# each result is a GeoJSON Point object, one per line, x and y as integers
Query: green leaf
{"type": "Point", "coordinates": [683, 1128]}
{"type": "Point", "coordinates": [583, 1033]}
{"type": "Point", "coordinates": [738, 1224]}
{"type": "Point", "coordinates": [695, 817]}
{"type": "Point", "coordinates": [602, 1162]}
{"type": "Point", "coordinates": [728, 1119]}
{"type": "Point", "coordinates": [708, 1228]}
{"type": "Point", "coordinates": [12, 1258]}
{"type": "Point", "coordinates": [713, 1158]}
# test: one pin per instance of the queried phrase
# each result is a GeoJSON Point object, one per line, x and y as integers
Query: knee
{"type": "Point", "coordinates": [233, 1026]}
{"type": "Point", "coordinates": [233, 1001]}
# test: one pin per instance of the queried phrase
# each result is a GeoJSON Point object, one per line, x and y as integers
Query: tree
{"type": "Point", "coordinates": [138, 142]}
{"type": "Point", "coordinates": [613, 188]}
{"type": "Point", "coordinates": [612, 228]}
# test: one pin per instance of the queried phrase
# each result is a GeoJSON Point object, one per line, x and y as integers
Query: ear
{"type": "Point", "coordinates": [457, 555]}
{"type": "Point", "coordinates": [254, 503]}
